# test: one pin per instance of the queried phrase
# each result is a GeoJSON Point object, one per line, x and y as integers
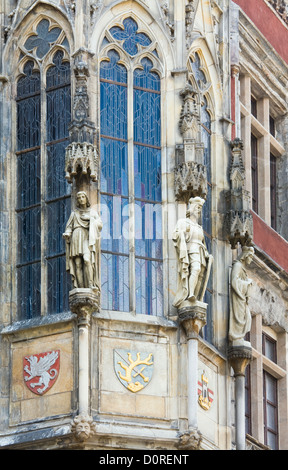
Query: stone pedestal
{"type": "Point", "coordinates": [239, 357]}
{"type": "Point", "coordinates": [83, 302]}
{"type": "Point", "coordinates": [192, 316]}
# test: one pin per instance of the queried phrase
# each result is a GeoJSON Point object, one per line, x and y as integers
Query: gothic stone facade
{"type": "Point", "coordinates": [142, 104]}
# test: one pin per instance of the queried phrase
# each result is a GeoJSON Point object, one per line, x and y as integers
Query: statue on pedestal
{"type": "Point", "coordinates": [194, 261]}
{"type": "Point", "coordinates": [82, 235]}
{"type": "Point", "coordinates": [240, 316]}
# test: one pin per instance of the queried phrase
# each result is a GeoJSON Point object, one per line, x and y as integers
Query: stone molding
{"type": "Point", "coordinates": [84, 302]}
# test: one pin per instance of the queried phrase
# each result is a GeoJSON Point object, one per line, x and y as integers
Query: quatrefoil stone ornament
{"type": "Point", "coordinates": [130, 36]}
{"type": "Point", "coordinates": [43, 40]}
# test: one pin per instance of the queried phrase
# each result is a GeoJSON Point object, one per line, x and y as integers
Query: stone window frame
{"type": "Point", "coordinates": [259, 366]}
{"type": "Point", "coordinates": [267, 143]}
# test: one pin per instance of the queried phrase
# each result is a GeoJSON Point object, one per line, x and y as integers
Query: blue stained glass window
{"type": "Point", "coordinates": [118, 184]}
{"type": "Point", "coordinates": [114, 184]}
{"type": "Point", "coordinates": [28, 192]}
{"type": "Point", "coordinates": [130, 37]}
{"type": "Point", "coordinates": [58, 109]}
{"type": "Point", "coordinates": [147, 183]}
{"type": "Point", "coordinates": [30, 208]}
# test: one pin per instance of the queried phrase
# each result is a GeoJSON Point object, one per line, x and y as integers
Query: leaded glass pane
{"type": "Point", "coordinates": [58, 208]}
{"type": "Point", "coordinates": [28, 109]}
{"type": "Point", "coordinates": [29, 286]}
{"type": "Point", "coordinates": [28, 193]}
{"type": "Point", "coordinates": [115, 218]}
{"type": "Point", "coordinates": [57, 185]}
{"type": "Point", "coordinates": [59, 284]}
{"type": "Point", "coordinates": [147, 171]}
{"type": "Point", "coordinates": [147, 101]}
{"type": "Point", "coordinates": [29, 227]}
{"type": "Point", "coordinates": [149, 287]}
{"type": "Point", "coordinates": [148, 230]}
{"type": "Point", "coordinates": [147, 186]}
{"type": "Point", "coordinates": [114, 167]}
{"type": "Point", "coordinates": [58, 113]}
{"type": "Point", "coordinates": [28, 179]}
{"type": "Point", "coordinates": [58, 213]}
{"type": "Point", "coordinates": [115, 282]}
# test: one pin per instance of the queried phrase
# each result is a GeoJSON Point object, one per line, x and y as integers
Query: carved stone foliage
{"type": "Point", "coordinates": [190, 181]}
{"type": "Point", "coordinates": [239, 223]}
{"type": "Point", "coordinates": [81, 157]}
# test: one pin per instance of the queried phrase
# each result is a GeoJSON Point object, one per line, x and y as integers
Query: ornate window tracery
{"type": "Point", "coordinates": [130, 129]}
{"type": "Point", "coordinates": [43, 104]}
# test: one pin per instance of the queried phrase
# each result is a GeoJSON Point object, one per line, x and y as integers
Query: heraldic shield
{"type": "Point", "coordinates": [134, 369]}
{"type": "Point", "coordinates": [41, 371]}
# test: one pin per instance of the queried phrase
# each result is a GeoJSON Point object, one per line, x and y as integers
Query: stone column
{"type": "Point", "coordinates": [192, 317]}
{"type": "Point", "coordinates": [83, 302]}
{"type": "Point", "coordinates": [239, 357]}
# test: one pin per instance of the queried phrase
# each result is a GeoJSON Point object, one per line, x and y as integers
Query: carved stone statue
{"type": "Point", "coordinates": [194, 261]}
{"type": "Point", "coordinates": [82, 235]}
{"type": "Point", "coordinates": [240, 316]}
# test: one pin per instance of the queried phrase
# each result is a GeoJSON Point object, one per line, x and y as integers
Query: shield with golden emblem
{"type": "Point", "coordinates": [134, 369]}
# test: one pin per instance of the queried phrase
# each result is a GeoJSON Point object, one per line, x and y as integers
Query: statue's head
{"type": "Point", "coordinates": [80, 197]}
{"type": "Point", "coordinates": [247, 254]}
{"type": "Point", "coordinates": [195, 206]}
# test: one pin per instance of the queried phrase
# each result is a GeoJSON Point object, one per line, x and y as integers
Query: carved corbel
{"type": "Point", "coordinates": [239, 222]}
{"type": "Point", "coordinates": [83, 427]}
{"type": "Point", "coordinates": [190, 440]}
{"type": "Point", "coordinates": [81, 157]}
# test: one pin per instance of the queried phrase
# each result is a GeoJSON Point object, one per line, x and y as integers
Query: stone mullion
{"type": "Point", "coordinates": [43, 191]}
{"type": "Point", "coordinates": [130, 135]}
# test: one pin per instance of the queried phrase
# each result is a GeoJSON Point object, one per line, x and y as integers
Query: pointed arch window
{"type": "Point", "coordinates": [43, 104]}
{"type": "Point", "coordinates": [130, 128]}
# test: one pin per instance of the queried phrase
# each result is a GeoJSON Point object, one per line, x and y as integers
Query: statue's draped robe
{"type": "Point", "coordinates": [85, 229]}
{"type": "Point", "coordinates": [189, 245]}
{"type": "Point", "coordinates": [240, 316]}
